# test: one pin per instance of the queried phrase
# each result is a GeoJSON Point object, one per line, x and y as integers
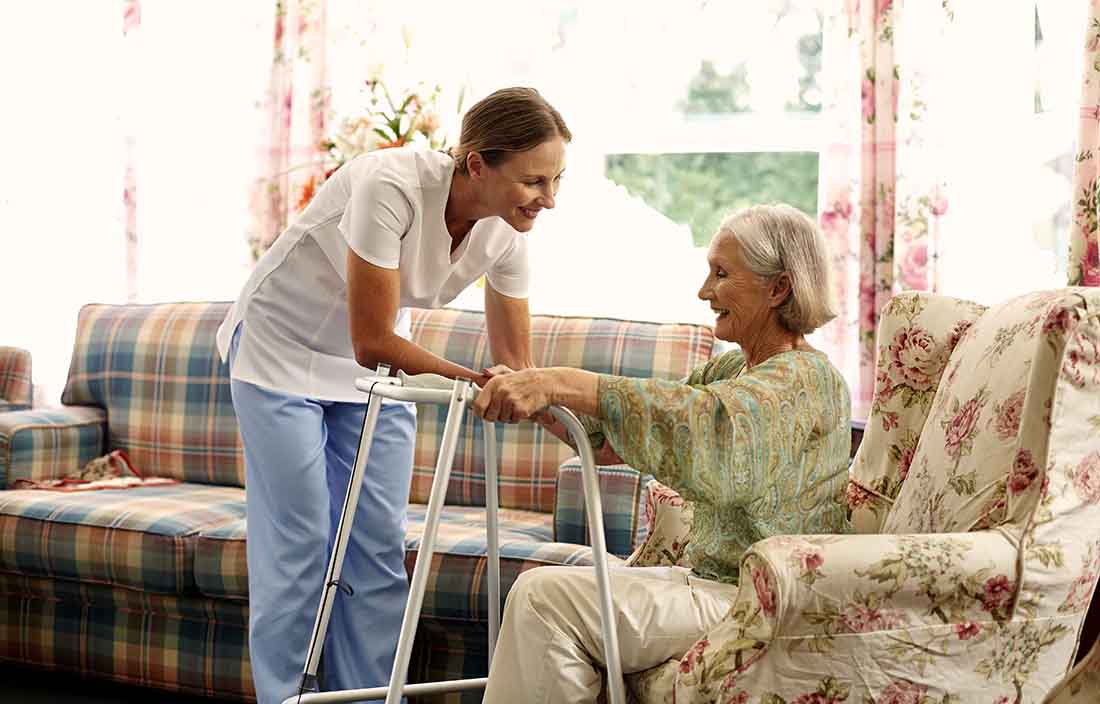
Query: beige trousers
{"type": "Point", "coordinates": [551, 649]}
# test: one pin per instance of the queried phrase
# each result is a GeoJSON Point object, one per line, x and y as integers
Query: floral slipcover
{"type": "Point", "coordinates": [975, 497]}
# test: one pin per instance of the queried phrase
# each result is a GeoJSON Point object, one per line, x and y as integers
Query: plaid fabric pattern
{"type": "Point", "coordinates": [622, 498]}
{"type": "Point", "coordinates": [185, 644]}
{"type": "Point", "coordinates": [156, 371]}
{"type": "Point", "coordinates": [16, 390]}
{"type": "Point", "coordinates": [138, 538]}
{"type": "Point", "coordinates": [529, 458]}
{"type": "Point", "coordinates": [47, 444]}
{"type": "Point", "coordinates": [221, 569]}
{"type": "Point", "coordinates": [221, 566]}
{"type": "Point", "coordinates": [458, 585]}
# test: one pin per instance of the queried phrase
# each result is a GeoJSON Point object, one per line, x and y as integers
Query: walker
{"type": "Point", "coordinates": [457, 393]}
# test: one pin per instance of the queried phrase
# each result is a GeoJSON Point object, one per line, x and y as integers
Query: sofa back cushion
{"type": "Point", "coordinates": [155, 370]}
{"type": "Point", "coordinates": [16, 390]}
{"type": "Point", "coordinates": [529, 459]}
{"type": "Point", "coordinates": [983, 454]}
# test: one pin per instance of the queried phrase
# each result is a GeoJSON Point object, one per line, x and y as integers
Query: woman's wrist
{"type": "Point", "coordinates": [576, 389]}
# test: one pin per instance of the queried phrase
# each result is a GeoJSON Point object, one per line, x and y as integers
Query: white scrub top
{"type": "Point", "coordinates": [388, 207]}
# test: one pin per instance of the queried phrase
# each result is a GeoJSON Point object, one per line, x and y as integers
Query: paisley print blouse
{"type": "Point", "coordinates": [761, 451]}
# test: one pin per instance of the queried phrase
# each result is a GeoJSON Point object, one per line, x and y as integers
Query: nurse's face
{"type": "Point", "coordinates": [519, 188]}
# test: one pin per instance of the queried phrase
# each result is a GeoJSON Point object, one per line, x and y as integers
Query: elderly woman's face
{"type": "Point", "coordinates": [738, 297]}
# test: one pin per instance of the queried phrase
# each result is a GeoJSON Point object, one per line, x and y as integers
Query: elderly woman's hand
{"type": "Point", "coordinates": [514, 396]}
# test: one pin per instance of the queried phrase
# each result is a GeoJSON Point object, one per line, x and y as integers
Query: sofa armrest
{"type": "Point", "coordinates": [45, 444]}
{"type": "Point", "coordinates": [667, 530]}
{"type": "Point", "coordinates": [621, 494]}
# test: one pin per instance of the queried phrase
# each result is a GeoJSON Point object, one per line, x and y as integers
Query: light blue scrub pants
{"type": "Point", "coordinates": [299, 456]}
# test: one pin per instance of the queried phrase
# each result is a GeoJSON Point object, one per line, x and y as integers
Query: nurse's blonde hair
{"type": "Point", "coordinates": [505, 122]}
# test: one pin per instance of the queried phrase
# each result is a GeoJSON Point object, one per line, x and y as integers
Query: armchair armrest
{"type": "Point", "coordinates": [621, 495]}
{"type": "Point", "coordinates": [667, 533]}
{"type": "Point", "coordinates": [44, 444]}
{"type": "Point", "coordinates": [828, 585]}
{"type": "Point", "coordinates": [803, 596]}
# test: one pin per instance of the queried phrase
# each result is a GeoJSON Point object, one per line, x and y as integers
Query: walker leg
{"type": "Point", "coordinates": [436, 500]}
{"type": "Point", "coordinates": [594, 511]}
{"type": "Point", "coordinates": [343, 531]}
{"type": "Point", "coordinates": [492, 529]}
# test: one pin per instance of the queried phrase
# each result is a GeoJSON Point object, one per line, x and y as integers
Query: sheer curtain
{"type": "Point", "coordinates": [924, 174]}
{"type": "Point", "coordinates": [1084, 264]}
{"type": "Point", "coordinates": [129, 134]}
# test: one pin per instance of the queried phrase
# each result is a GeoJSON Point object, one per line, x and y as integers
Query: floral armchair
{"type": "Point", "coordinates": [975, 506]}
{"type": "Point", "coordinates": [15, 379]}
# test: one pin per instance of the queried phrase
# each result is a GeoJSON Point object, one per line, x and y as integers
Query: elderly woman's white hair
{"type": "Point", "coordinates": [780, 238]}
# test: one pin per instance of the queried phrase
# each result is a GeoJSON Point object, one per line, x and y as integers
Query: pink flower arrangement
{"type": "Point", "coordinates": [1086, 478]}
{"type": "Point", "coordinates": [961, 426]}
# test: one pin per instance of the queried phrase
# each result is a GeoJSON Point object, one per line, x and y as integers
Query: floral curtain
{"type": "Point", "coordinates": [883, 191]}
{"type": "Point", "coordinates": [1084, 254]}
{"type": "Point", "coordinates": [131, 24]}
{"type": "Point", "coordinates": [294, 112]}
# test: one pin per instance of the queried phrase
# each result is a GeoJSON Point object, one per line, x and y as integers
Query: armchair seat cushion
{"type": "Point", "coordinates": [136, 538]}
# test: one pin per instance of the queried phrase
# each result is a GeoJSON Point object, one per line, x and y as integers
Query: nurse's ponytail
{"type": "Point", "coordinates": [507, 121]}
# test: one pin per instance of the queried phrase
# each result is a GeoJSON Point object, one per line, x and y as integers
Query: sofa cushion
{"type": "Point", "coordinates": [529, 458]}
{"type": "Point", "coordinates": [456, 587]}
{"type": "Point", "coordinates": [156, 371]}
{"type": "Point", "coordinates": [16, 390]}
{"type": "Point", "coordinates": [137, 538]}
{"type": "Point", "coordinates": [622, 497]}
{"type": "Point", "coordinates": [221, 566]}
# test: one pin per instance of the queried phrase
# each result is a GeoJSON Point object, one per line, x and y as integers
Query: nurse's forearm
{"type": "Point", "coordinates": [409, 357]}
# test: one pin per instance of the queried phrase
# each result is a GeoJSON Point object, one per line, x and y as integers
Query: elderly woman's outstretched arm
{"type": "Point", "coordinates": [676, 430]}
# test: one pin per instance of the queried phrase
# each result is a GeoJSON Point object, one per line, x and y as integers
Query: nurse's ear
{"type": "Point", "coordinates": [475, 165]}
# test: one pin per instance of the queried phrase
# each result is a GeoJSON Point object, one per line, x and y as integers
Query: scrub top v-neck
{"type": "Point", "coordinates": [387, 207]}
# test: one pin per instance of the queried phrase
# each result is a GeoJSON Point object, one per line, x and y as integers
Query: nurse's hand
{"type": "Point", "coordinates": [514, 396]}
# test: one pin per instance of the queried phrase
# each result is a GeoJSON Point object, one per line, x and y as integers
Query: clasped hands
{"type": "Point", "coordinates": [511, 396]}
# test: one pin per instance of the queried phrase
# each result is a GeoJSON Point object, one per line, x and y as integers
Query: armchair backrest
{"type": "Point", "coordinates": [917, 333]}
{"type": "Point", "coordinates": [983, 454]}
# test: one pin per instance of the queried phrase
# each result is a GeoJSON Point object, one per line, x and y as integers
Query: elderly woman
{"type": "Point", "coordinates": [757, 438]}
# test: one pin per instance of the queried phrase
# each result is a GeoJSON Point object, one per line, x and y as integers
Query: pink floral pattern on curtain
{"type": "Point", "coordinates": [883, 194]}
{"type": "Point", "coordinates": [131, 23]}
{"type": "Point", "coordinates": [1084, 240]}
{"type": "Point", "coordinates": [295, 112]}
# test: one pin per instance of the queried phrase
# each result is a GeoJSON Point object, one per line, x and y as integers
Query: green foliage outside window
{"type": "Point", "coordinates": [700, 189]}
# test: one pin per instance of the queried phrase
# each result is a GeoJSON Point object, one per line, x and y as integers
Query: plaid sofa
{"type": "Point", "coordinates": [15, 379]}
{"type": "Point", "coordinates": [149, 586]}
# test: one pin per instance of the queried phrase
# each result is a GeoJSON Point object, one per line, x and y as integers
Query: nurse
{"type": "Point", "coordinates": [327, 303]}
